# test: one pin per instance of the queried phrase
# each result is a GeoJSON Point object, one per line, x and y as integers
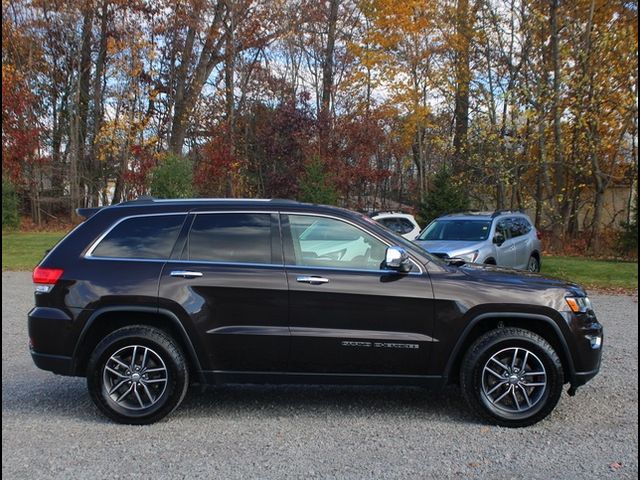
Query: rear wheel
{"type": "Point", "coordinates": [512, 377]}
{"type": "Point", "coordinates": [137, 375]}
{"type": "Point", "coordinates": [534, 264]}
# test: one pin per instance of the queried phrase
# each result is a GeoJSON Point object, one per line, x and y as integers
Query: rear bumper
{"type": "Point", "coordinates": [53, 363]}
{"type": "Point", "coordinates": [48, 339]}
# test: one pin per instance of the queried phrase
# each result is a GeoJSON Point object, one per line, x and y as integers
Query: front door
{"type": "Point", "coordinates": [347, 314]}
{"type": "Point", "coordinates": [230, 281]}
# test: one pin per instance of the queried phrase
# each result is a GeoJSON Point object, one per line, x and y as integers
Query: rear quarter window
{"type": "Point", "coordinates": [144, 237]}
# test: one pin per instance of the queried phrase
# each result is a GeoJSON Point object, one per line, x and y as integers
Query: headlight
{"type": "Point", "coordinates": [579, 304]}
{"type": "Point", "coordinates": [469, 257]}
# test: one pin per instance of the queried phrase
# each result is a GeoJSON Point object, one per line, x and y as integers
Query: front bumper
{"type": "Point", "coordinates": [589, 341]}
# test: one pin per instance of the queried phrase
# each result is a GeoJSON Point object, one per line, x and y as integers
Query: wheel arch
{"type": "Point", "coordinates": [108, 319]}
{"type": "Point", "coordinates": [540, 324]}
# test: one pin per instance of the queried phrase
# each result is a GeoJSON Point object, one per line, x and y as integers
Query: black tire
{"type": "Point", "coordinates": [534, 264]}
{"type": "Point", "coordinates": [148, 346]}
{"type": "Point", "coordinates": [538, 401]}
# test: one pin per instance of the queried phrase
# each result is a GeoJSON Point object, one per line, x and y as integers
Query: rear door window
{"type": "Point", "coordinates": [231, 237]}
{"type": "Point", "coordinates": [143, 237]}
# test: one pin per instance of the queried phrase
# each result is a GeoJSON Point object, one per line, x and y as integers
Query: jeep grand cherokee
{"type": "Point", "coordinates": [147, 297]}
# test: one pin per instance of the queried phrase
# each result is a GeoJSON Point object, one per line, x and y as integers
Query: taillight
{"type": "Point", "coordinates": [538, 234]}
{"type": "Point", "coordinates": [47, 276]}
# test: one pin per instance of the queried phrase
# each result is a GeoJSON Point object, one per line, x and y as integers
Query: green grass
{"type": "Point", "coordinates": [23, 250]}
{"type": "Point", "coordinates": [604, 274]}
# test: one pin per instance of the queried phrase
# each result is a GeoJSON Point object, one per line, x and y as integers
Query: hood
{"type": "Point", "coordinates": [510, 276]}
{"type": "Point", "coordinates": [450, 247]}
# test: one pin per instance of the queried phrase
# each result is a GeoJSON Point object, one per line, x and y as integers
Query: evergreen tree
{"type": "Point", "coordinates": [315, 186]}
{"type": "Point", "coordinates": [172, 178]}
{"type": "Point", "coordinates": [444, 197]}
{"type": "Point", "coordinates": [10, 204]}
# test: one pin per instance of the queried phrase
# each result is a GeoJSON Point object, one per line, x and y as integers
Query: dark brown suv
{"type": "Point", "coordinates": [147, 297]}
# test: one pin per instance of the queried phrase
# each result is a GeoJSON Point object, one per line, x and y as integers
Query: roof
{"type": "Point", "coordinates": [484, 215]}
{"type": "Point", "coordinates": [145, 204]}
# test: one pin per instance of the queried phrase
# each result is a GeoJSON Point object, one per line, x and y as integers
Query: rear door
{"type": "Point", "coordinates": [347, 314]}
{"type": "Point", "coordinates": [229, 283]}
{"type": "Point", "coordinates": [506, 252]}
{"type": "Point", "coordinates": [519, 228]}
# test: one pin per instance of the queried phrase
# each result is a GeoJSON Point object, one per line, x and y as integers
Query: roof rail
{"type": "Point", "coordinates": [506, 211]}
{"type": "Point", "coordinates": [139, 200]}
{"type": "Point", "coordinates": [470, 212]}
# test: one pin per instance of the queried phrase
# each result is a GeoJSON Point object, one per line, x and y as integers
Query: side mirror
{"type": "Point", "coordinates": [396, 258]}
{"type": "Point", "coordinates": [498, 239]}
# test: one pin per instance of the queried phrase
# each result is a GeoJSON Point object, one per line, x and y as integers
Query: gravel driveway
{"type": "Point", "coordinates": [50, 428]}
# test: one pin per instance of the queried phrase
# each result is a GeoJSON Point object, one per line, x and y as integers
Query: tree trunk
{"type": "Point", "coordinates": [327, 77]}
{"type": "Point", "coordinates": [229, 71]}
{"type": "Point", "coordinates": [463, 79]}
{"type": "Point", "coordinates": [98, 109]}
{"type": "Point", "coordinates": [189, 88]}
{"type": "Point", "coordinates": [84, 87]}
{"type": "Point", "coordinates": [557, 190]}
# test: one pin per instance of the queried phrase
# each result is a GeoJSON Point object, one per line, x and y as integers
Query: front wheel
{"type": "Point", "coordinates": [512, 377]}
{"type": "Point", "coordinates": [137, 375]}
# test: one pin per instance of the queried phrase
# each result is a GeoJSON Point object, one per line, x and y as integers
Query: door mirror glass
{"type": "Point", "coordinates": [396, 258]}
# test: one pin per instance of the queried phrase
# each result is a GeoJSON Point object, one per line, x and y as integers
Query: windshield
{"type": "Point", "coordinates": [457, 229]}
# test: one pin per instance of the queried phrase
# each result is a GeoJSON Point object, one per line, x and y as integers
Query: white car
{"type": "Point", "coordinates": [401, 223]}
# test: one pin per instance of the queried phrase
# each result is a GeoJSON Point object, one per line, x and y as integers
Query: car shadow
{"type": "Point", "coordinates": [327, 400]}
{"type": "Point", "coordinates": [64, 397]}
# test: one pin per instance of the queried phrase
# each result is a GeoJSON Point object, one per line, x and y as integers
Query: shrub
{"type": "Point", "coordinates": [628, 238]}
{"type": "Point", "coordinates": [444, 197]}
{"type": "Point", "coordinates": [10, 206]}
{"type": "Point", "coordinates": [172, 178]}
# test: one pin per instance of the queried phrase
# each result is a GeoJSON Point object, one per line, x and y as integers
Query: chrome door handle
{"type": "Point", "coordinates": [185, 274]}
{"type": "Point", "coordinates": [312, 280]}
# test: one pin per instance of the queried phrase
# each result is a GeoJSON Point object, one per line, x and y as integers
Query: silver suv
{"type": "Point", "coordinates": [504, 238]}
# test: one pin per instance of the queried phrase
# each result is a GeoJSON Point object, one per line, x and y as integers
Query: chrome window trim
{"type": "Point", "coordinates": [342, 269]}
{"type": "Point", "coordinates": [89, 255]}
{"type": "Point", "coordinates": [215, 212]}
{"type": "Point", "coordinates": [227, 264]}
{"type": "Point", "coordinates": [124, 259]}
{"type": "Point", "coordinates": [377, 237]}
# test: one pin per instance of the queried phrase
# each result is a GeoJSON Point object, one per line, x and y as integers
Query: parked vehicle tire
{"type": "Point", "coordinates": [511, 377]}
{"type": "Point", "coordinates": [137, 375]}
{"type": "Point", "coordinates": [534, 264]}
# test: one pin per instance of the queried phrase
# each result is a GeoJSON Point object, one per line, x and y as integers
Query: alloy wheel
{"type": "Point", "coordinates": [135, 377]}
{"type": "Point", "coordinates": [514, 380]}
